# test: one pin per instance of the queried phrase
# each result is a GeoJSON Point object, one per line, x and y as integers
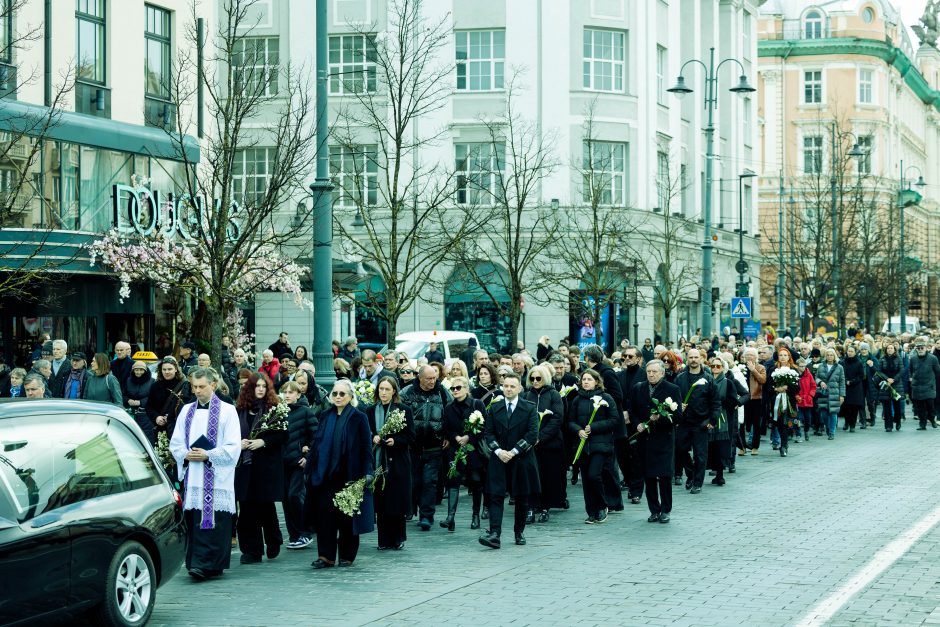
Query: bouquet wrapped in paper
{"type": "Point", "coordinates": [274, 420]}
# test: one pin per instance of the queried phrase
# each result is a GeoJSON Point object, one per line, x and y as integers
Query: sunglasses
{"type": "Point", "coordinates": [535, 378]}
{"type": "Point", "coordinates": [403, 361]}
{"type": "Point", "coordinates": [716, 366]}
{"type": "Point", "coordinates": [407, 371]}
{"type": "Point", "coordinates": [337, 394]}
{"type": "Point", "coordinates": [456, 388]}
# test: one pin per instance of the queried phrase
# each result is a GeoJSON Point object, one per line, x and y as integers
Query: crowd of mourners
{"type": "Point", "coordinates": [415, 434]}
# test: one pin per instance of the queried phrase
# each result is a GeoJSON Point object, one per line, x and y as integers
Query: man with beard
{"type": "Point", "coordinates": [700, 409]}
{"type": "Point", "coordinates": [627, 455]}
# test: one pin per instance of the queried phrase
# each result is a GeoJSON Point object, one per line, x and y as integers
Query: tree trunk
{"type": "Point", "coordinates": [666, 327]}
{"type": "Point", "coordinates": [201, 328]}
{"type": "Point", "coordinates": [217, 325]}
{"type": "Point", "coordinates": [515, 316]}
{"type": "Point", "coordinates": [391, 330]}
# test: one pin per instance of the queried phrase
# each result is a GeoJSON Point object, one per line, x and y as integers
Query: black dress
{"type": "Point", "coordinates": [392, 496]}
{"type": "Point", "coordinates": [550, 449]}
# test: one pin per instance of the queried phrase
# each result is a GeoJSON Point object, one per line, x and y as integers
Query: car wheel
{"type": "Point", "coordinates": [130, 587]}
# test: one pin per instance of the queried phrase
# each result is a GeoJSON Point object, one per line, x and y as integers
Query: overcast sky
{"type": "Point", "coordinates": [911, 10]}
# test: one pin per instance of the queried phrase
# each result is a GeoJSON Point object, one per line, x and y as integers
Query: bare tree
{"type": "Point", "coordinates": [26, 260]}
{"type": "Point", "coordinates": [260, 146]}
{"type": "Point", "coordinates": [512, 229]}
{"type": "Point", "coordinates": [597, 249]}
{"type": "Point", "coordinates": [391, 207]}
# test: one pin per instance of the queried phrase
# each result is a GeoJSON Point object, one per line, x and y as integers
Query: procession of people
{"type": "Point", "coordinates": [398, 440]}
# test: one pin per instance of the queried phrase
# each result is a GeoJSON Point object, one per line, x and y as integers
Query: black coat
{"type": "Point", "coordinates": [428, 412]}
{"type": "Point", "coordinates": [485, 394]}
{"type": "Point", "coordinates": [612, 387]}
{"type": "Point", "coordinates": [546, 397]}
{"type": "Point", "coordinates": [604, 427]}
{"type": "Point", "coordinates": [891, 367]}
{"type": "Point", "coordinates": [166, 399]}
{"type": "Point", "coordinates": [393, 495]}
{"type": "Point", "coordinates": [854, 382]}
{"type": "Point", "coordinates": [519, 476]}
{"type": "Point", "coordinates": [704, 405]}
{"type": "Point", "coordinates": [656, 447]}
{"type": "Point", "coordinates": [627, 378]}
{"type": "Point", "coordinates": [57, 380]}
{"type": "Point", "coordinates": [301, 426]}
{"type": "Point", "coordinates": [121, 369]}
{"type": "Point", "coordinates": [137, 389]}
{"type": "Point", "coordinates": [260, 475]}
{"type": "Point", "coordinates": [455, 414]}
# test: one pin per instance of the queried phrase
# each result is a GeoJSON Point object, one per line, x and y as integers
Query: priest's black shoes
{"type": "Point", "coordinates": [490, 539]}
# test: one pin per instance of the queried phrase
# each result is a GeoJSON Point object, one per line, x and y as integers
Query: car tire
{"type": "Point", "coordinates": [130, 588]}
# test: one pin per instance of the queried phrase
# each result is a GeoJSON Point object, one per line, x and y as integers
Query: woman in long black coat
{"type": "Point", "coordinates": [165, 399]}
{"type": "Point", "coordinates": [393, 490]}
{"type": "Point", "coordinates": [854, 388]}
{"type": "Point", "coordinates": [136, 391]}
{"type": "Point", "coordinates": [341, 453]}
{"type": "Point", "coordinates": [549, 450]}
{"type": "Point", "coordinates": [598, 440]}
{"type": "Point", "coordinates": [259, 477]}
{"type": "Point", "coordinates": [729, 392]}
{"type": "Point", "coordinates": [473, 472]}
{"type": "Point", "coordinates": [656, 440]}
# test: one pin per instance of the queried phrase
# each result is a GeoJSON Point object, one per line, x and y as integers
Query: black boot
{"type": "Point", "coordinates": [453, 496]}
{"type": "Point", "coordinates": [475, 521]}
{"type": "Point", "coordinates": [530, 517]}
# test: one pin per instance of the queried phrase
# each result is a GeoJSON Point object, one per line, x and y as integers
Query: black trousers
{"type": "Point", "coordinates": [391, 529]}
{"type": "Point", "coordinates": [334, 528]}
{"type": "Point", "coordinates": [295, 495]}
{"type": "Point", "coordinates": [495, 502]}
{"type": "Point", "coordinates": [610, 475]}
{"type": "Point", "coordinates": [258, 527]}
{"type": "Point", "coordinates": [892, 412]}
{"type": "Point", "coordinates": [923, 409]}
{"type": "Point", "coordinates": [634, 473]}
{"type": "Point", "coordinates": [426, 474]}
{"type": "Point", "coordinates": [693, 438]}
{"type": "Point", "coordinates": [659, 494]}
{"type": "Point", "coordinates": [208, 549]}
{"type": "Point", "coordinates": [592, 470]}
{"type": "Point", "coordinates": [753, 411]}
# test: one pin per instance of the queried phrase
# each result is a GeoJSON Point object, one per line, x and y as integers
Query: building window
{"type": "Point", "coordinates": [746, 118]}
{"type": "Point", "coordinates": [866, 80]}
{"type": "Point", "coordinates": [605, 173]}
{"type": "Point", "coordinates": [812, 154]}
{"type": "Point", "coordinates": [813, 25]}
{"type": "Point", "coordinates": [90, 38]}
{"type": "Point", "coordinates": [157, 51]}
{"type": "Point", "coordinates": [604, 60]}
{"type": "Point", "coordinates": [478, 167]}
{"type": "Point", "coordinates": [812, 87]}
{"type": "Point", "coordinates": [684, 189]}
{"type": "Point", "coordinates": [747, 207]}
{"type": "Point", "coordinates": [662, 180]}
{"type": "Point", "coordinates": [865, 144]}
{"type": "Point", "coordinates": [480, 58]}
{"type": "Point", "coordinates": [661, 65]}
{"type": "Point", "coordinates": [250, 173]}
{"type": "Point", "coordinates": [352, 64]}
{"type": "Point", "coordinates": [255, 65]}
{"type": "Point", "coordinates": [355, 173]}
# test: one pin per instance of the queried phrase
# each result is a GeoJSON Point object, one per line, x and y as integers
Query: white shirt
{"type": "Point", "coordinates": [223, 457]}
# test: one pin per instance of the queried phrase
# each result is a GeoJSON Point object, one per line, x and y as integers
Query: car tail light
{"type": "Point", "coordinates": [178, 499]}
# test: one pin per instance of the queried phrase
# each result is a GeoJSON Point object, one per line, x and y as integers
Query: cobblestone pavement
{"type": "Point", "coordinates": [777, 540]}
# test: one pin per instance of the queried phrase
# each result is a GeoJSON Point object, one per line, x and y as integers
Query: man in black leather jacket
{"type": "Point", "coordinates": [427, 399]}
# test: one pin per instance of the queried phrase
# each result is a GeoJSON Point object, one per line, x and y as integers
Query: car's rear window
{"type": "Point", "coordinates": [50, 462]}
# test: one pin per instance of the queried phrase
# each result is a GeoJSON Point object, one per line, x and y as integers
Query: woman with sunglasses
{"type": "Point", "coordinates": [472, 472]}
{"type": "Point", "coordinates": [731, 394]}
{"type": "Point", "coordinates": [392, 495]}
{"type": "Point", "coordinates": [549, 448]}
{"type": "Point", "coordinates": [341, 452]}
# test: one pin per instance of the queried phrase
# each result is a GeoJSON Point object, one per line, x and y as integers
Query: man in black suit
{"type": "Point", "coordinates": [510, 434]}
{"type": "Point", "coordinates": [655, 442]}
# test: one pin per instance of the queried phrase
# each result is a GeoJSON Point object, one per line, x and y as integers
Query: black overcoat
{"type": "Point", "coordinates": [547, 398]}
{"type": "Point", "coordinates": [656, 447]}
{"type": "Point", "coordinates": [260, 476]}
{"type": "Point", "coordinates": [393, 496]}
{"type": "Point", "coordinates": [605, 425]}
{"type": "Point", "coordinates": [519, 476]}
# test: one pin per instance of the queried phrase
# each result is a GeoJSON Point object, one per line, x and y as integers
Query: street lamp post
{"type": "Point", "coordinates": [834, 214]}
{"type": "Point", "coordinates": [322, 269]}
{"type": "Point", "coordinates": [741, 266]}
{"type": "Point", "coordinates": [904, 202]}
{"type": "Point", "coordinates": [711, 100]}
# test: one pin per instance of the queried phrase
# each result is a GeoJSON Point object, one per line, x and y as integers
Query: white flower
{"type": "Point", "coordinates": [701, 381]}
{"type": "Point", "coordinates": [476, 417]}
{"type": "Point", "coordinates": [599, 402]}
{"type": "Point", "coordinates": [671, 404]}
{"type": "Point", "coordinates": [546, 412]}
{"type": "Point", "coordinates": [566, 390]}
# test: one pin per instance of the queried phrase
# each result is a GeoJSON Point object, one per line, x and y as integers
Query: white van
{"type": "Point", "coordinates": [451, 343]}
{"type": "Point", "coordinates": [912, 325]}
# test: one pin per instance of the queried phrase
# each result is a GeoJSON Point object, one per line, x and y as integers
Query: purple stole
{"type": "Point", "coordinates": [208, 475]}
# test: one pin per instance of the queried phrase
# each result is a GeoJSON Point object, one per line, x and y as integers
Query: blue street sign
{"type": "Point", "coordinates": [740, 307]}
{"type": "Point", "coordinates": [752, 329]}
{"type": "Point", "coordinates": [802, 309]}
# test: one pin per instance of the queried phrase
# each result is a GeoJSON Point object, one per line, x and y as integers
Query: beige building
{"type": "Point", "coordinates": [844, 76]}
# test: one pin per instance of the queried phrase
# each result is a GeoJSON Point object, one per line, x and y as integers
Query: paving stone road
{"type": "Point", "coordinates": [778, 539]}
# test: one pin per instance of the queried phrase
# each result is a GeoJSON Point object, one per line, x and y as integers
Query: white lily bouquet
{"type": "Point", "coordinates": [783, 409]}
{"type": "Point", "coordinates": [274, 420]}
{"type": "Point", "coordinates": [365, 391]}
{"type": "Point", "coordinates": [598, 403]}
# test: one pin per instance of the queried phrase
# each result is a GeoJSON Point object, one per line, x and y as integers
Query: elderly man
{"type": "Point", "coordinates": [43, 368]}
{"type": "Point", "coordinates": [427, 399]}
{"type": "Point", "coordinates": [350, 349]}
{"type": "Point", "coordinates": [60, 367]}
{"type": "Point", "coordinates": [121, 364]}
{"type": "Point", "coordinates": [371, 369]}
{"type": "Point", "coordinates": [204, 361]}
{"type": "Point", "coordinates": [76, 378]}
{"type": "Point", "coordinates": [206, 444]}
{"type": "Point", "coordinates": [269, 364]}
{"type": "Point", "coordinates": [924, 370]}
{"type": "Point", "coordinates": [187, 355]}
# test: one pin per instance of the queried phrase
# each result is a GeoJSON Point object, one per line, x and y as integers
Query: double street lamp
{"type": "Point", "coordinates": [711, 102]}
{"type": "Point", "coordinates": [906, 198]}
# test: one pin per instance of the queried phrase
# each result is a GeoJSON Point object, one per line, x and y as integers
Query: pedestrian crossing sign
{"type": "Point", "coordinates": [741, 307]}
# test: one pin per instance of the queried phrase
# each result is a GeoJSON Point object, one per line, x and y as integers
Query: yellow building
{"type": "Point", "coordinates": [843, 103]}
